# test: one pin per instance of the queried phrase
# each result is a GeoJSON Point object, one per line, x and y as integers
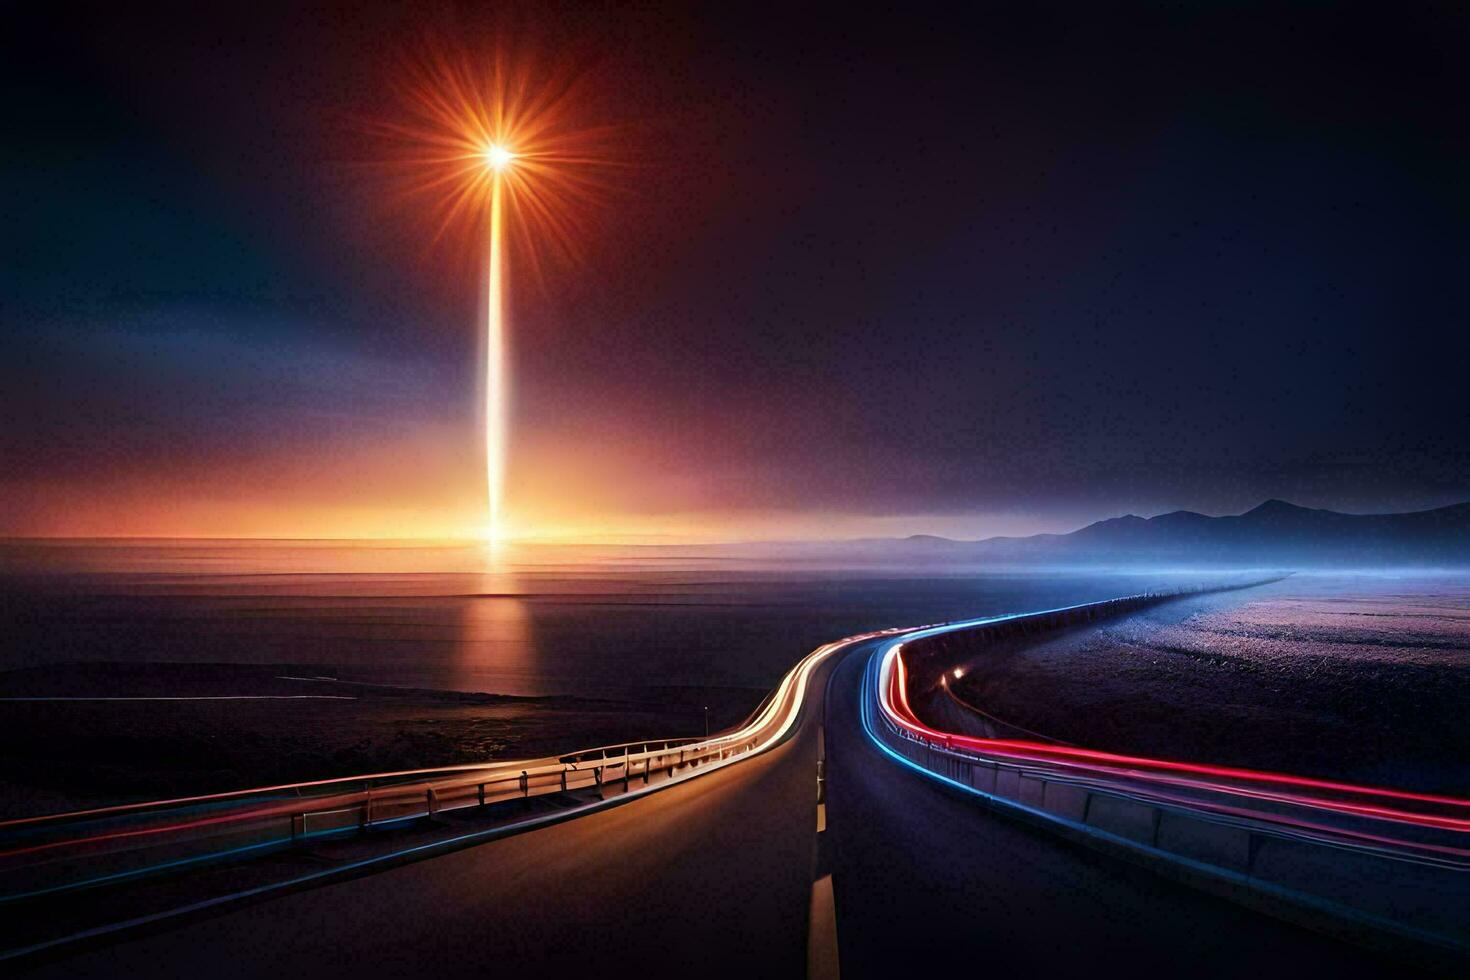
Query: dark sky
{"type": "Point", "coordinates": [866, 271]}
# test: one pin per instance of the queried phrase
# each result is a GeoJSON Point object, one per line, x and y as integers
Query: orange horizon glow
{"type": "Point", "coordinates": [421, 483]}
{"type": "Point", "coordinates": [143, 508]}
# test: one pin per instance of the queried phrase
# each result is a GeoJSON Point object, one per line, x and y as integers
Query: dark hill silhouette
{"type": "Point", "coordinates": [1275, 533]}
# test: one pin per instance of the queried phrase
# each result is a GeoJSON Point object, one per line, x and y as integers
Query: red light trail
{"type": "Point", "coordinates": [1392, 806]}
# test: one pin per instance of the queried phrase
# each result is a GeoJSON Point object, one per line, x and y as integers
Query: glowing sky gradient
{"type": "Point", "coordinates": [885, 276]}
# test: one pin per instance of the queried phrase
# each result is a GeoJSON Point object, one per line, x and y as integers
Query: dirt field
{"type": "Point", "coordinates": [1364, 678]}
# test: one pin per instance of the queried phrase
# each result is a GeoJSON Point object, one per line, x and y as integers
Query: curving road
{"type": "Point", "coordinates": [924, 874]}
{"type": "Point", "coordinates": [709, 877]}
{"type": "Point", "coordinates": [713, 877]}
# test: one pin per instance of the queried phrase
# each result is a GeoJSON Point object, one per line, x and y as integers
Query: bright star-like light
{"type": "Point", "coordinates": [465, 123]}
{"type": "Point", "coordinates": [498, 157]}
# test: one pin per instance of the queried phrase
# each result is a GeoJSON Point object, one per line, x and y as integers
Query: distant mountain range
{"type": "Point", "coordinates": [1275, 533]}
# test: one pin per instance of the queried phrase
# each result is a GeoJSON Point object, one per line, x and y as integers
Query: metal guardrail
{"type": "Point", "coordinates": [52, 854]}
{"type": "Point", "coordinates": [1391, 861]}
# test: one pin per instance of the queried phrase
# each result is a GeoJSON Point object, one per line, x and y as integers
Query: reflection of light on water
{"type": "Point", "coordinates": [495, 651]}
{"type": "Point", "coordinates": [493, 554]}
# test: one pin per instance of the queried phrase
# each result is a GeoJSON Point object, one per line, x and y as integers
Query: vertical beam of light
{"type": "Point", "coordinates": [496, 401]}
{"type": "Point", "coordinates": [498, 141]}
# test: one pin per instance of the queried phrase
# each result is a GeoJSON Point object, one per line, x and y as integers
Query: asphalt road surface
{"type": "Point", "coordinates": [713, 878]}
{"type": "Point", "coordinates": [924, 876]}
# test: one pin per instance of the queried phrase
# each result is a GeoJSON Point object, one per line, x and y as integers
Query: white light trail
{"type": "Point", "coordinates": [496, 373]}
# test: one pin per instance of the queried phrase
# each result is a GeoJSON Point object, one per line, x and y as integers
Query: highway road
{"type": "Point", "coordinates": [924, 874]}
{"type": "Point", "coordinates": [713, 877]}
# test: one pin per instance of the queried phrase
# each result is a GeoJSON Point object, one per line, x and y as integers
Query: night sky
{"type": "Point", "coordinates": [860, 273]}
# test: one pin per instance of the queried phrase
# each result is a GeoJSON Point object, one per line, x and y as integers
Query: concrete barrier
{"type": "Point", "coordinates": [1214, 843]}
{"type": "Point", "coordinates": [1123, 818]}
{"type": "Point", "coordinates": [1375, 898]}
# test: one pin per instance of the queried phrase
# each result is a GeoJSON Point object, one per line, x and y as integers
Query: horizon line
{"type": "Point", "coordinates": [671, 542]}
